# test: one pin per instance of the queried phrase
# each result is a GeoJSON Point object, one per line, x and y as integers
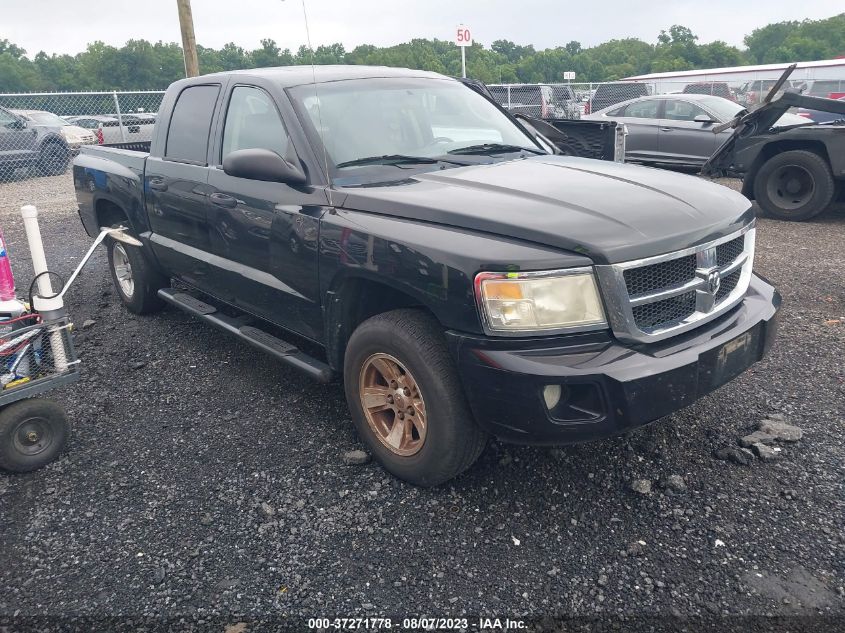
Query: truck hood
{"type": "Point", "coordinates": [608, 211]}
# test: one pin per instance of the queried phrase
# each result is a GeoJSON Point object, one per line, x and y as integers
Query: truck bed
{"type": "Point", "coordinates": [103, 157]}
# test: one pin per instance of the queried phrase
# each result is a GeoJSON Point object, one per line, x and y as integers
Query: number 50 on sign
{"type": "Point", "coordinates": [463, 35]}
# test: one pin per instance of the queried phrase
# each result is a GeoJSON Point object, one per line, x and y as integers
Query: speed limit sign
{"type": "Point", "coordinates": [463, 35]}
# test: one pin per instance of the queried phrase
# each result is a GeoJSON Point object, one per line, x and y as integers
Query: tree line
{"type": "Point", "coordinates": [143, 65]}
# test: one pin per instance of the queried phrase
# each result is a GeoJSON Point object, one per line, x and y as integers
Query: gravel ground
{"type": "Point", "coordinates": [204, 482]}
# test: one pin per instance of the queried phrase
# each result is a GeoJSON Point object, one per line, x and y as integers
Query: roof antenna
{"type": "Point", "coordinates": [319, 107]}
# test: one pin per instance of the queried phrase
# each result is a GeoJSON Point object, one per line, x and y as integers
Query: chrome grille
{"type": "Point", "coordinates": [658, 297]}
{"type": "Point", "coordinates": [728, 284]}
{"type": "Point", "coordinates": [650, 315]}
{"type": "Point", "coordinates": [729, 251]}
{"type": "Point", "coordinates": [663, 275]}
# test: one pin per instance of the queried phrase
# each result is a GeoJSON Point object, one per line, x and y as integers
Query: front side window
{"type": "Point", "coordinates": [252, 122]}
{"type": "Point", "coordinates": [678, 110]}
{"type": "Point", "coordinates": [642, 109]}
{"type": "Point", "coordinates": [190, 124]}
{"type": "Point", "coordinates": [419, 117]}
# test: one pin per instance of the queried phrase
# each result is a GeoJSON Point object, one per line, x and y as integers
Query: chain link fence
{"type": "Point", "coordinates": [41, 132]}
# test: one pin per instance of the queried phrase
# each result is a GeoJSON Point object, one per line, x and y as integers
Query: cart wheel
{"type": "Point", "coordinates": [32, 433]}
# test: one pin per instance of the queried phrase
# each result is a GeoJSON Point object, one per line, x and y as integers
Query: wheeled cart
{"type": "Point", "coordinates": [33, 360]}
{"type": "Point", "coordinates": [36, 355]}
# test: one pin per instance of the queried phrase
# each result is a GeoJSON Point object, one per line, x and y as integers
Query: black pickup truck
{"type": "Point", "coordinates": [425, 247]}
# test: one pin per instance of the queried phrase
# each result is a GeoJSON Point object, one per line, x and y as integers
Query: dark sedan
{"type": "Point", "coordinates": [676, 128]}
{"type": "Point", "coordinates": [819, 116]}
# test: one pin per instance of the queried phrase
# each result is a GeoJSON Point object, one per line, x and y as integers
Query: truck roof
{"type": "Point", "coordinates": [289, 76]}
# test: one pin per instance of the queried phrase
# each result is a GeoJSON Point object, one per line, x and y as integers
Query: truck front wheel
{"type": "Point", "coordinates": [406, 398]}
{"type": "Point", "coordinates": [794, 185]}
{"type": "Point", "coordinates": [136, 282]}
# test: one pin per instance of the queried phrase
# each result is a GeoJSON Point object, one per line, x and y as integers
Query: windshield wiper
{"type": "Point", "coordinates": [397, 159]}
{"type": "Point", "coordinates": [494, 148]}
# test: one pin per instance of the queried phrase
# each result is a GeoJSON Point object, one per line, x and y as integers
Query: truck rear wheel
{"type": "Point", "coordinates": [406, 398]}
{"type": "Point", "coordinates": [136, 282]}
{"type": "Point", "coordinates": [794, 185]}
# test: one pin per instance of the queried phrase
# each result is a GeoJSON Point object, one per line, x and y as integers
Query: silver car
{"type": "Point", "coordinates": [676, 128]}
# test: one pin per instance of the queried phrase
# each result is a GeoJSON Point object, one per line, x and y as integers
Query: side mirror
{"type": "Point", "coordinates": [262, 164]}
{"type": "Point", "coordinates": [17, 124]}
{"type": "Point", "coordinates": [703, 118]}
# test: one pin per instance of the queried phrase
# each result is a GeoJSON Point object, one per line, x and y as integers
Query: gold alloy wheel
{"type": "Point", "coordinates": [393, 404]}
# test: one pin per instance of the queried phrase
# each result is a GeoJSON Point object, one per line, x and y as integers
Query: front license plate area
{"type": "Point", "coordinates": [729, 360]}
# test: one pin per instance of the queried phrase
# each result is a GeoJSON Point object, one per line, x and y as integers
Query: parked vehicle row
{"type": "Point", "coordinates": [46, 141]}
{"type": "Point", "coordinates": [108, 129]}
{"type": "Point", "coordinates": [73, 135]}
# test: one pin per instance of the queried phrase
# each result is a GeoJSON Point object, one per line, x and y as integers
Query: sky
{"type": "Point", "coordinates": [59, 26]}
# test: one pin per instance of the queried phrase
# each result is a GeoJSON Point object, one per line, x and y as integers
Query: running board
{"type": "Point", "coordinates": [259, 339]}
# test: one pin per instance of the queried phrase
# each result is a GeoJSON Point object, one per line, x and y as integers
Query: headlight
{"type": "Point", "coordinates": [71, 137]}
{"type": "Point", "coordinates": [539, 302]}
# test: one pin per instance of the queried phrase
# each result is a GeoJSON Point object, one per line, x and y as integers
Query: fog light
{"type": "Point", "coordinates": [551, 394]}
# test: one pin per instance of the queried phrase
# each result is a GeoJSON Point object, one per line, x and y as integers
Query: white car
{"type": "Point", "coordinates": [73, 135]}
{"type": "Point", "coordinates": [136, 127]}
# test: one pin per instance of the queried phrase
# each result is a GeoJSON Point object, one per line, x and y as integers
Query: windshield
{"type": "Point", "coordinates": [46, 118]}
{"type": "Point", "coordinates": [390, 117]}
{"type": "Point", "coordinates": [724, 109]}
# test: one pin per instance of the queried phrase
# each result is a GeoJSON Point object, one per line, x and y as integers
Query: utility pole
{"type": "Point", "coordinates": [189, 42]}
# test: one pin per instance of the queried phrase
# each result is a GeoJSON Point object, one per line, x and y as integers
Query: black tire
{"type": "Point", "coordinates": [452, 440]}
{"type": "Point", "coordinates": [146, 281]}
{"type": "Point", "coordinates": [53, 159]}
{"type": "Point", "coordinates": [32, 434]}
{"type": "Point", "coordinates": [795, 185]}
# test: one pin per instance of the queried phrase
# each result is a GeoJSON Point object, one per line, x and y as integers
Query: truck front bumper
{"type": "Point", "coordinates": [586, 386]}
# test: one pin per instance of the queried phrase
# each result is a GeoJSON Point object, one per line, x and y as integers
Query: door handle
{"type": "Point", "coordinates": [667, 129]}
{"type": "Point", "coordinates": [222, 200]}
{"type": "Point", "coordinates": [158, 184]}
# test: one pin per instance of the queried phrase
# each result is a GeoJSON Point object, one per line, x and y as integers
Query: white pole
{"type": "Point", "coordinates": [464, 61]}
{"type": "Point", "coordinates": [45, 288]}
{"type": "Point", "coordinates": [119, 116]}
{"type": "Point", "coordinates": [36, 249]}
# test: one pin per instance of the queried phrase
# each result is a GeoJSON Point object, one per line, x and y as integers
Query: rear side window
{"type": "Point", "coordinates": [564, 93]}
{"type": "Point", "coordinates": [527, 95]}
{"type": "Point", "coordinates": [190, 124]}
{"type": "Point", "coordinates": [499, 93]}
{"type": "Point", "coordinates": [642, 109]}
